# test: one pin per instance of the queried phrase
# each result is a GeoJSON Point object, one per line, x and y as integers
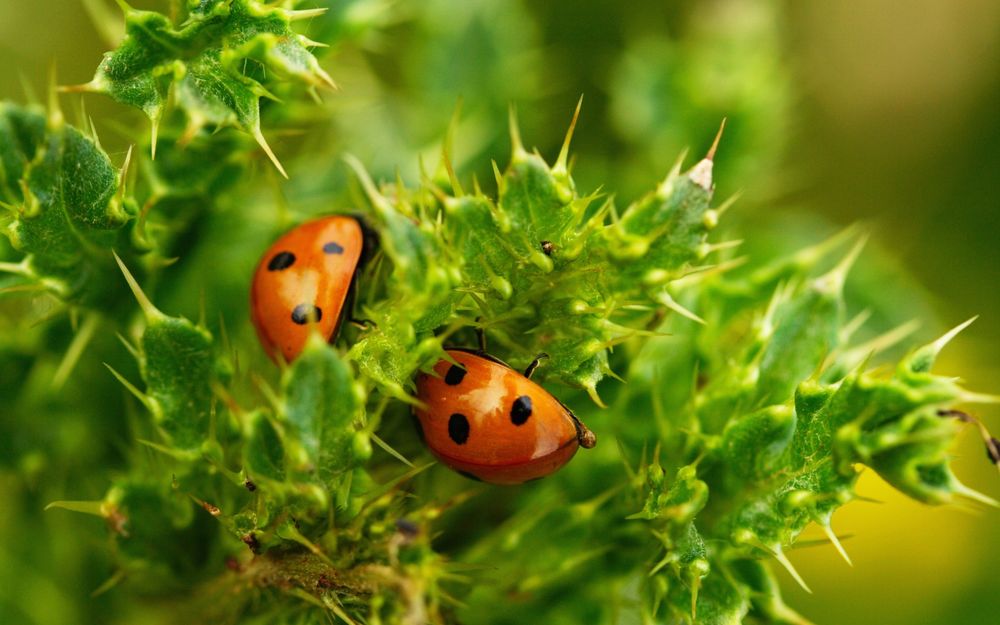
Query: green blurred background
{"type": "Point", "coordinates": [884, 112]}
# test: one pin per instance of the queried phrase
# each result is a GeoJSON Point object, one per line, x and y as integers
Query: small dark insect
{"type": "Point", "coordinates": [701, 381]}
{"type": "Point", "coordinates": [548, 248]}
{"type": "Point", "coordinates": [250, 540]}
{"type": "Point", "coordinates": [993, 449]}
{"type": "Point", "coordinates": [249, 485]}
{"type": "Point", "coordinates": [407, 528]}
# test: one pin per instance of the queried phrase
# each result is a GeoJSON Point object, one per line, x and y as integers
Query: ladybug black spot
{"type": "Point", "coordinates": [458, 428]}
{"type": "Point", "coordinates": [281, 260]}
{"type": "Point", "coordinates": [302, 312]}
{"type": "Point", "coordinates": [333, 248]}
{"type": "Point", "coordinates": [454, 376]}
{"type": "Point", "coordinates": [520, 410]}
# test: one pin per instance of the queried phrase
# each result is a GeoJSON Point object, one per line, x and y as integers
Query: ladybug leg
{"type": "Point", "coordinates": [481, 337]}
{"type": "Point", "coordinates": [351, 301]}
{"type": "Point", "coordinates": [534, 365]}
{"type": "Point", "coordinates": [656, 319]}
{"type": "Point", "coordinates": [992, 443]}
{"type": "Point", "coordinates": [362, 324]}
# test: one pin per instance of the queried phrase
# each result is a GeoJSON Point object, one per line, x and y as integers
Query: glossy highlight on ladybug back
{"type": "Point", "coordinates": [490, 423]}
{"type": "Point", "coordinates": [303, 282]}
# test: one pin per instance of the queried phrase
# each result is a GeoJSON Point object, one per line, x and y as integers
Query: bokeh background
{"type": "Point", "coordinates": [882, 112]}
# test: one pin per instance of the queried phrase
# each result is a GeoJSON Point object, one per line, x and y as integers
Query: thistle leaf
{"type": "Point", "coordinates": [67, 209]}
{"type": "Point", "coordinates": [220, 61]}
{"type": "Point", "coordinates": [321, 406]}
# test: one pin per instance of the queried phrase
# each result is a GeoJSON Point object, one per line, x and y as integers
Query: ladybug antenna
{"type": "Point", "coordinates": [534, 365]}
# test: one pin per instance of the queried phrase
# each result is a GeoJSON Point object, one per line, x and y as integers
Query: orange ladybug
{"type": "Point", "coordinates": [490, 423]}
{"type": "Point", "coordinates": [305, 278]}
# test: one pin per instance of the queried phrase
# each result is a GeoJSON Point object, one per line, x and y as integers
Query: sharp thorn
{"type": "Point", "coordinates": [55, 114]}
{"type": "Point", "coordinates": [835, 278]}
{"type": "Point", "coordinates": [151, 311]}
{"type": "Point", "coordinates": [940, 343]}
{"type": "Point", "coordinates": [516, 147]}
{"type": "Point", "coordinates": [721, 209]}
{"type": "Point", "coordinates": [592, 392]}
{"type": "Point", "coordinates": [131, 348]}
{"type": "Point", "coordinates": [379, 202]}
{"type": "Point", "coordinates": [303, 14]}
{"type": "Point", "coordinates": [96, 508]}
{"type": "Point", "coordinates": [668, 301]}
{"type": "Point", "coordinates": [964, 491]}
{"type": "Point", "coordinates": [780, 556]}
{"type": "Point", "coordinates": [715, 144]}
{"type": "Point", "coordinates": [154, 131]}
{"type": "Point", "coordinates": [561, 162]}
{"type": "Point", "coordinates": [389, 450]}
{"type": "Point", "coordinates": [128, 385]}
{"type": "Point", "coordinates": [836, 542]}
{"type": "Point", "coordinates": [109, 583]}
{"type": "Point", "coordinates": [75, 350]}
{"type": "Point", "coordinates": [262, 142]}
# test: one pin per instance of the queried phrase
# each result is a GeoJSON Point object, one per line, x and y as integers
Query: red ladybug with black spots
{"type": "Point", "coordinates": [305, 278]}
{"type": "Point", "coordinates": [490, 423]}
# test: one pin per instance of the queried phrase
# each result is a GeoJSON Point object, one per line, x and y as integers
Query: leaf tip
{"type": "Point", "coordinates": [947, 337]}
{"type": "Point", "coordinates": [833, 281]}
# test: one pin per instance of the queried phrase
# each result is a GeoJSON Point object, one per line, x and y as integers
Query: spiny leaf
{"type": "Point", "coordinates": [745, 428]}
{"type": "Point", "coordinates": [220, 61]}
{"type": "Point", "coordinates": [68, 209]}
{"type": "Point", "coordinates": [178, 363]}
{"type": "Point", "coordinates": [321, 406]}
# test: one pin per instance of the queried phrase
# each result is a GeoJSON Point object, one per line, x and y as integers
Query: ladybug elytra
{"type": "Point", "coordinates": [305, 278]}
{"type": "Point", "coordinates": [489, 422]}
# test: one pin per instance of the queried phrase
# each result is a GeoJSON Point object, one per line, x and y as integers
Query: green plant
{"type": "Point", "coordinates": [741, 410]}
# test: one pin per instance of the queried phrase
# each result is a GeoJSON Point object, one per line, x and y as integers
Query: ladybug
{"type": "Point", "coordinates": [305, 278]}
{"type": "Point", "coordinates": [490, 423]}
